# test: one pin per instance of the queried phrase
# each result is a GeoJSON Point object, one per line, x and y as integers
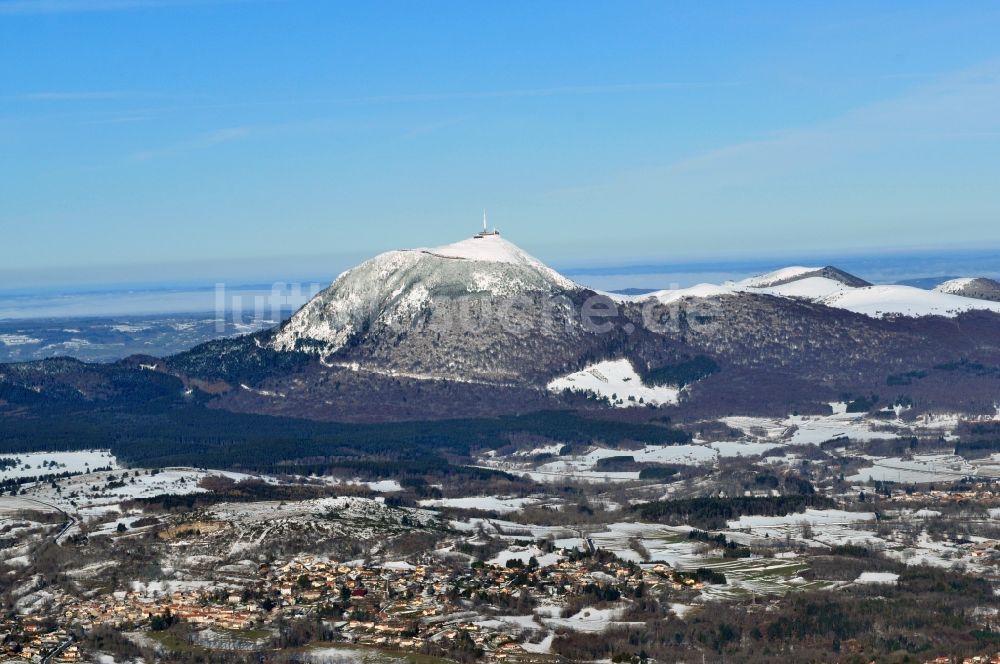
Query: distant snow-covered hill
{"type": "Point", "coordinates": [974, 287]}
{"type": "Point", "coordinates": [835, 288]}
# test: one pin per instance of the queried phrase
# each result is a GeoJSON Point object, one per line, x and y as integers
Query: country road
{"type": "Point", "coordinates": [18, 502]}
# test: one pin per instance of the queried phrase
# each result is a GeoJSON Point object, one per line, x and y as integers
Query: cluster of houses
{"type": "Point", "coordinates": [29, 641]}
{"type": "Point", "coordinates": [393, 605]}
{"type": "Point", "coordinates": [134, 608]}
{"type": "Point", "coordinates": [979, 492]}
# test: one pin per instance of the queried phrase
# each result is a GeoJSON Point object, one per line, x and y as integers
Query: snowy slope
{"type": "Point", "coordinates": [788, 275]}
{"type": "Point", "coordinates": [617, 380]}
{"type": "Point", "coordinates": [495, 249]}
{"type": "Point", "coordinates": [396, 287]}
{"type": "Point", "coordinates": [810, 288]}
{"type": "Point", "coordinates": [878, 301]}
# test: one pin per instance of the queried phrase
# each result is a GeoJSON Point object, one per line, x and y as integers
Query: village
{"type": "Point", "coordinates": [396, 605]}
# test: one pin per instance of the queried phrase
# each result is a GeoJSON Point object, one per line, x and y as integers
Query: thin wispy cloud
{"type": "Point", "coordinates": [24, 7]}
{"type": "Point", "coordinates": [964, 104]}
{"type": "Point", "coordinates": [545, 92]}
{"type": "Point", "coordinates": [198, 103]}
{"type": "Point", "coordinates": [31, 7]}
{"type": "Point", "coordinates": [959, 106]}
{"type": "Point", "coordinates": [626, 88]}
{"type": "Point", "coordinates": [86, 95]}
{"type": "Point", "coordinates": [200, 142]}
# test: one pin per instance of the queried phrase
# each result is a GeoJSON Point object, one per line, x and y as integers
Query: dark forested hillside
{"type": "Point", "coordinates": [148, 417]}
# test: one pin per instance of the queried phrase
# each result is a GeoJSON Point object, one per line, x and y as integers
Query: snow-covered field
{"type": "Point", "coordinates": [813, 430]}
{"type": "Point", "coordinates": [525, 554]}
{"type": "Point", "coordinates": [617, 381]}
{"type": "Point", "coordinates": [488, 503]}
{"type": "Point", "coordinates": [33, 464]}
{"type": "Point", "coordinates": [671, 545]}
{"type": "Point", "coordinates": [919, 468]}
{"type": "Point", "coordinates": [778, 526]}
{"type": "Point", "coordinates": [760, 436]}
{"type": "Point", "coordinates": [95, 495]}
{"type": "Point", "coordinates": [590, 620]}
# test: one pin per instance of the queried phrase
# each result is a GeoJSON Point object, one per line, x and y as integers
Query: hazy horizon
{"type": "Point", "coordinates": [188, 291]}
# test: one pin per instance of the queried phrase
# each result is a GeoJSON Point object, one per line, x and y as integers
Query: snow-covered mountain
{"type": "Point", "coordinates": [484, 310]}
{"type": "Point", "coordinates": [480, 328]}
{"type": "Point", "coordinates": [400, 294]}
{"type": "Point", "coordinates": [395, 288]}
{"type": "Point", "coordinates": [976, 287]}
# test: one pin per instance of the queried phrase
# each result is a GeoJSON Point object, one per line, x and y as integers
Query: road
{"type": "Point", "coordinates": [58, 651]}
{"type": "Point", "coordinates": [70, 519]}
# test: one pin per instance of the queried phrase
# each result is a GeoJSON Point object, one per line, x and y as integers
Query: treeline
{"type": "Point", "coordinates": [730, 549]}
{"type": "Point", "coordinates": [931, 612]}
{"type": "Point", "coordinates": [238, 360]}
{"type": "Point", "coordinates": [168, 431]}
{"type": "Point", "coordinates": [976, 449]}
{"type": "Point", "coordinates": [713, 513]}
{"type": "Point", "coordinates": [682, 373]}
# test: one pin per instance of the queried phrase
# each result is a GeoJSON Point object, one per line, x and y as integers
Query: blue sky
{"type": "Point", "coordinates": [149, 139]}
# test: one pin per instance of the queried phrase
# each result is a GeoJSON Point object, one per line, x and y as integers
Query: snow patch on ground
{"type": "Point", "coordinates": [878, 577]}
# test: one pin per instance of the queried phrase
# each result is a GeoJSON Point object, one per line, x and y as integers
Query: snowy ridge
{"type": "Point", "coordinates": [777, 277]}
{"type": "Point", "coordinates": [399, 291]}
{"type": "Point", "coordinates": [875, 301]}
{"type": "Point", "coordinates": [699, 291]}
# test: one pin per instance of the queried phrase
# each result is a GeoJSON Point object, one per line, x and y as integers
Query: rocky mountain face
{"type": "Point", "coordinates": [477, 310]}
